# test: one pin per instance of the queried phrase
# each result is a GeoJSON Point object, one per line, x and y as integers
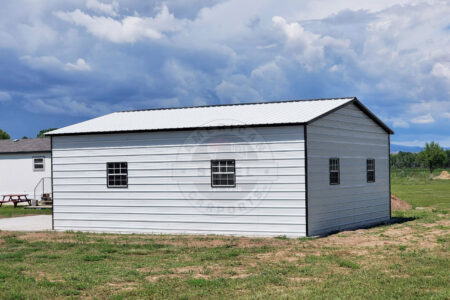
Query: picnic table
{"type": "Point", "coordinates": [15, 198]}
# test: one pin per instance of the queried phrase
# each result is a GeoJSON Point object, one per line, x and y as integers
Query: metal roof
{"type": "Point", "coordinates": [25, 146]}
{"type": "Point", "coordinates": [231, 115]}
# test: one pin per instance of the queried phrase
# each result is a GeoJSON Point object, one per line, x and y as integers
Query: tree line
{"type": "Point", "coordinates": [5, 136]}
{"type": "Point", "coordinates": [432, 157]}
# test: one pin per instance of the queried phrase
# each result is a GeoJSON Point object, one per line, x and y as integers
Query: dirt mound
{"type": "Point", "coordinates": [444, 175]}
{"type": "Point", "coordinates": [399, 204]}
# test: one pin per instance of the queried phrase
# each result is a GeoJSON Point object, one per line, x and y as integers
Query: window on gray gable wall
{"type": "Point", "coordinates": [370, 170]}
{"type": "Point", "coordinates": [334, 171]}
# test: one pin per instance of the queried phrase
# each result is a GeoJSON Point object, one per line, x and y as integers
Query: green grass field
{"type": "Point", "coordinates": [408, 260]}
{"type": "Point", "coordinates": [8, 211]}
{"type": "Point", "coordinates": [417, 187]}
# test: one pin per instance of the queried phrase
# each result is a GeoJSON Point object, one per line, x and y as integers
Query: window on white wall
{"type": "Point", "coordinates": [117, 173]}
{"type": "Point", "coordinates": [38, 164]}
{"type": "Point", "coordinates": [335, 171]}
{"type": "Point", "coordinates": [370, 170]}
{"type": "Point", "coordinates": [223, 173]}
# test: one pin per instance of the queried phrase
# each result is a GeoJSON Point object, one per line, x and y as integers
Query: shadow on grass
{"type": "Point", "coordinates": [392, 221]}
{"type": "Point", "coordinates": [399, 220]}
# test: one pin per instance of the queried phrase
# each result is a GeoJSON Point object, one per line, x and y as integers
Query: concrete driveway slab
{"type": "Point", "coordinates": [29, 223]}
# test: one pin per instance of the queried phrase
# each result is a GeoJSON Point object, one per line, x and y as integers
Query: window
{"type": "Point", "coordinates": [117, 174]}
{"type": "Point", "coordinates": [334, 171]}
{"type": "Point", "coordinates": [38, 164]}
{"type": "Point", "coordinates": [223, 173]}
{"type": "Point", "coordinates": [371, 170]}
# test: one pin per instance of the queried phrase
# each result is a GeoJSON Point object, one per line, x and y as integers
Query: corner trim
{"type": "Point", "coordinates": [389, 161]}
{"type": "Point", "coordinates": [305, 139]}
{"type": "Point", "coordinates": [51, 182]}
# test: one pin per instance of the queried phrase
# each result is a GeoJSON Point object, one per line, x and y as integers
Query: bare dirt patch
{"type": "Point", "coordinates": [399, 204]}
{"type": "Point", "coordinates": [443, 176]}
{"type": "Point", "coordinates": [123, 286]}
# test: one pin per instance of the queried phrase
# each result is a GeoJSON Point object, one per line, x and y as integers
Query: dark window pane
{"type": "Point", "coordinates": [117, 174]}
{"type": "Point", "coordinates": [223, 173]}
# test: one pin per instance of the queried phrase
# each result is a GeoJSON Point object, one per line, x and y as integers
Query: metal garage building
{"type": "Point", "coordinates": [295, 168]}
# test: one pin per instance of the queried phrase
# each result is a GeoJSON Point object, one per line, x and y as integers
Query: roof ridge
{"type": "Point", "coordinates": [235, 104]}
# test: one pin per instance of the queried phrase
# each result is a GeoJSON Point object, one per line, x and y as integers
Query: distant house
{"type": "Point", "coordinates": [25, 166]}
{"type": "Point", "coordinates": [295, 168]}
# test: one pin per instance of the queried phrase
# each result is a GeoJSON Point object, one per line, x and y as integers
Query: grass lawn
{"type": "Point", "coordinates": [8, 211]}
{"type": "Point", "coordinates": [416, 187]}
{"type": "Point", "coordinates": [407, 260]}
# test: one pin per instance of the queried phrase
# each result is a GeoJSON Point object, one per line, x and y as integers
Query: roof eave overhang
{"type": "Point", "coordinates": [354, 101]}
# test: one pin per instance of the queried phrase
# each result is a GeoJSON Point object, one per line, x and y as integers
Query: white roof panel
{"type": "Point", "coordinates": [265, 113]}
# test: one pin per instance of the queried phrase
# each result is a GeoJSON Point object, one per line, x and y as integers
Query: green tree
{"type": "Point", "coordinates": [4, 135]}
{"type": "Point", "coordinates": [447, 162]}
{"type": "Point", "coordinates": [41, 133]}
{"type": "Point", "coordinates": [433, 155]}
{"type": "Point", "coordinates": [24, 137]}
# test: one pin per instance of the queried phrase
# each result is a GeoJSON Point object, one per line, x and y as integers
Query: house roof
{"type": "Point", "coordinates": [25, 146]}
{"type": "Point", "coordinates": [214, 116]}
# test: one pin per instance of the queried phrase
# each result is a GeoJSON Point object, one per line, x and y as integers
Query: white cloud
{"type": "Point", "coordinates": [399, 123]}
{"type": "Point", "coordinates": [80, 65]}
{"type": "Point", "coordinates": [42, 62]}
{"type": "Point", "coordinates": [109, 9]}
{"type": "Point", "coordinates": [446, 115]}
{"type": "Point", "coordinates": [5, 96]}
{"type": "Point", "coordinates": [53, 63]}
{"type": "Point", "coordinates": [308, 48]}
{"type": "Point", "coordinates": [424, 119]}
{"type": "Point", "coordinates": [441, 70]}
{"type": "Point", "coordinates": [128, 30]}
{"type": "Point", "coordinates": [68, 106]}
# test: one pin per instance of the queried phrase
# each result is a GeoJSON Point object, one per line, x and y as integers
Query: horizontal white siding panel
{"type": "Point", "coordinates": [177, 187]}
{"type": "Point", "coordinates": [198, 204]}
{"type": "Point", "coordinates": [257, 155]}
{"type": "Point", "coordinates": [221, 211]}
{"type": "Point", "coordinates": [350, 135]}
{"type": "Point", "coordinates": [215, 195]}
{"type": "Point", "coordinates": [216, 218]}
{"type": "Point", "coordinates": [205, 169]}
{"type": "Point", "coordinates": [182, 165]}
{"type": "Point", "coordinates": [181, 226]}
{"type": "Point", "coordinates": [169, 183]}
{"type": "Point", "coordinates": [167, 180]}
{"type": "Point", "coordinates": [176, 150]}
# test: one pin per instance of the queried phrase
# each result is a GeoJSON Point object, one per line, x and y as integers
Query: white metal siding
{"type": "Point", "coordinates": [17, 175]}
{"type": "Point", "coordinates": [353, 137]}
{"type": "Point", "coordinates": [170, 186]}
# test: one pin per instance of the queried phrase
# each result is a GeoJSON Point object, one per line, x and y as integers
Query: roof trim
{"type": "Point", "coordinates": [372, 116]}
{"type": "Point", "coordinates": [238, 104]}
{"type": "Point", "coordinates": [181, 129]}
{"type": "Point", "coordinates": [354, 100]}
{"type": "Point", "coordinates": [26, 152]}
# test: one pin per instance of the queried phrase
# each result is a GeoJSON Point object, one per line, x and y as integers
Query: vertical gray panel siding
{"type": "Point", "coordinates": [170, 185]}
{"type": "Point", "coordinates": [353, 137]}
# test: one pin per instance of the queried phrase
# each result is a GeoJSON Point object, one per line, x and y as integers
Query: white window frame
{"type": "Point", "coordinates": [230, 169]}
{"type": "Point", "coordinates": [35, 163]}
{"type": "Point", "coordinates": [120, 173]}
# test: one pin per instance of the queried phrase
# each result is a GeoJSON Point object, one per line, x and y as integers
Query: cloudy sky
{"type": "Point", "coordinates": [63, 62]}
